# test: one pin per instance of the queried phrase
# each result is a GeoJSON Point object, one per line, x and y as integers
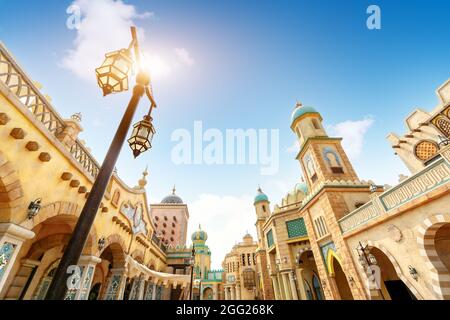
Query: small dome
{"type": "Point", "coordinates": [302, 187]}
{"type": "Point", "coordinates": [172, 198]}
{"type": "Point", "coordinates": [199, 235]}
{"type": "Point", "coordinates": [260, 196]}
{"type": "Point", "coordinates": [300, 110]}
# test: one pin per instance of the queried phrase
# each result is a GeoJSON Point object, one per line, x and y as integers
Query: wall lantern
{"type": "Point", "coordinates": [372, 260]}
{"type": "Point", "coordinates": [112, 75]}
{"type": "Point", "coordinates": [101, 243]}
{"type": "Point", "coordinates": [142, 136]}
{"type": "Point", "coordinates": [413, 272]}
{"type": "Point", "coordinates": [34, 208]}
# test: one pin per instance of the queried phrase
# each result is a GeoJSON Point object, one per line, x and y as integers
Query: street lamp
{"type": "Point", "coordinates": [192, 272]}
{"type": "Point", "coordinates": [112, 77]}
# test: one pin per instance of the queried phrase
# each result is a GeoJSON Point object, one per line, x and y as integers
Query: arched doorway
{"type": "Point", "coordinates": [42, 288]}
{"type": "Point", "coordinates": [307, 270]}
{"type": "Point", "coordinates": [208, 294]}
{"type": "Point", "coordinates": [317, 288]}
{"type": "Point", "coordinates": [391, 286]}
{"type": "Point", "coordinates": [442, 245]}
{"type": "Point", "coordinates": [95, 292]}
{"type": "Point", "coordinates": [341, 281]}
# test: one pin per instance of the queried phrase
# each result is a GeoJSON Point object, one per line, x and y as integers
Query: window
{"type": "Point", "coordinates": [296, 228]}
{"type": "Point", "coordinates": [264, 208]}
{"type": "Point", "coordinates": [157, 218]}
{"type": "Point", "coordinates": [171, 239]}
{"type": "Point", "coordinates": [248, 259]}
{"type": "Point", "coordinates": [254, 259]}
{"type": "Point", "coordinates": [174, 218]}
{"type": "Point", "coordinates": [173, 232]}
{"type": "Point", "coordinates": [315, 124]}
{"type": "Point", "coordinates": [337, 170]}
{"type": "Point", "coordinates": [173, 224]}
{"type": "Point", "coordinates": [314, 178]}
{"type": "Point", "coordinates": [269, 237]}
{"type": "Point", "coordinates": [165, 218]}
{"type": "Point", "coordinates": [243, 259]}
{"type": "Point", "coordinates": [321, 228]}
{"type": "Point", "coordinates": [164, 225]}
{"type": "Point", "coordinates": [249, 278]}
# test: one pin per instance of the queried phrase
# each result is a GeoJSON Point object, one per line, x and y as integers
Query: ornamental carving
{"type": "Point", "coordinates": [135, 215]}
{"type": "Point", "coordinates": [426, 149]}
{"type": "Point", "coordinates": [394, 233]}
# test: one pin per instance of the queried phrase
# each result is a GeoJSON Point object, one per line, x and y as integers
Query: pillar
{"type": "Point", "coordinates": [116, 285]}
{"type": "Point", "coordinates": [87, 265]}
{"type": "Point", "coordinates": [227, 293]}
{"type": "Point", "coordinates": [233, 293]}
{"type": "Point", "coordinates": [301, 287]}
{"type": "Point", "coordinates": [293, 286]}
{"type": "Point", "coordinates": [215, 292]}
{"type": "Point", "coordinates": [276, 288]}
{"type": "Point", "coordinates": [286, 286]}
{"type": "Point", "coordinates": [12, 237]}
{"type": "Point", "coordinates": [238, 291]}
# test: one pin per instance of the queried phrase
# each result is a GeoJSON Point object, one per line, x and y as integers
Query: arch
{"type": "Point", "coordinates": [44, 283]}
{"type": "Point", "coordinates": [340, 279]}
{"type": "Point", "coordinates": [11, 192]}
{"type": "Point", "coordinates": [138, 255]}
{"type": "Point", "coordinates": [114, 246]}
{"type": "Point", "coordinates": [396, 266]}
{"type": "Point", "coordinates": [208, 294]}
{"type": "Point", "coordinates": [440, 275]}
{"type": "Point", "coordinates": [331, 255]}
{"type": "Point", "coordinates": [65, 208]}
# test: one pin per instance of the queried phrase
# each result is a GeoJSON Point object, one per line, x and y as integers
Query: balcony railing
{"type": "Point", "coordinates": [430, 178]}
{"type": "Point", "coordinates": [19, 84]}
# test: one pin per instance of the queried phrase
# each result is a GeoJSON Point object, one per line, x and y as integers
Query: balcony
{"type": "Point", "coordinates": [436, 174]}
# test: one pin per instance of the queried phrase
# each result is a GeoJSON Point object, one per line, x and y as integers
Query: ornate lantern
{"type": "Point", "coordinates": [141, 138]}
{"type": "Point", "coordinates": [112, 75]}
{"type": "Point", "coordinates": [34, 208]}
{"type": "Point", "coordinates": [101, 243]}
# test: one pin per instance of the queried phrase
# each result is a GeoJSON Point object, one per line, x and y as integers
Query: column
{"type": "Point", "coordinates": [287, 292]}
{"type": "Point", "coordinates": [303, 295]}
{"type": "Point", "coordinates": [116, 285]}
{"type": "Point", "coordinates": [87, 265]}
{"type": "Point", "coordinates": [238, 291]}
{"type": "Point", "coordinates": [276, 288]}
{"type": "Point", "coordinates": [293, 286]}
{"type": "Point", "coordinates": [227, 297]}
{"type": "Point", "coordinates": [215, 292]}
{"type": "Point", "coordinates": [12, 237]}
{"type": "Point", "coordinates": [233, 292]}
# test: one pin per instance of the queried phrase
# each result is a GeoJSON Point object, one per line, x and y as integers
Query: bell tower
{"type": "Point", "coordinates": [321, 157]}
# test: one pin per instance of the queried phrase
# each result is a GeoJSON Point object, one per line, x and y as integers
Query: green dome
{"type": "Point", "coordinates": [302, 187]}
{"type": "Point", "coordinates": [260, 196]}
{"type": "Point", "coordinates": [199, 235]}
{"type": "Point", "coordinates": [300, 110]}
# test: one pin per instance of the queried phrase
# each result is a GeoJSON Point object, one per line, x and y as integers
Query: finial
{"type": "Point", "coordinates": [259, 189]}
{"type": "Point", "coordinates": [303, 180]}
{"type": "Point", "coordinates": [298, 104]}
{"type": "Point", "coordinates": [174, 189]}
{"type": "Point", "coordinates": [76, 117]}
{"type": "Point", "coordinates": [143, 182]}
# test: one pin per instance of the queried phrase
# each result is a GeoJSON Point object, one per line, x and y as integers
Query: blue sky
{"type": "Point", "coordinates": [240, 64]}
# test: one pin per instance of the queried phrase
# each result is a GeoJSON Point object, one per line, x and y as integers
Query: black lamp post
{"type": "Point", "coordinates": [192, 271]}
{"type": "Point", "coordinates": [112, 77]}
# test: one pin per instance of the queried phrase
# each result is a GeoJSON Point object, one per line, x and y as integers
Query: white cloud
{"type": "Point", "coordinates": [105, 27]}
{"type": "Point", "coordinates": [184, 56]}
{"type": "Point", "coordinates": [353, 133]}
{"type": "Point", "coordinates": [226, 219]}
{"type": "Point", "coordinates": [294, 148]}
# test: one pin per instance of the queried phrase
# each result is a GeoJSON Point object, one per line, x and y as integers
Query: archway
{"type": "Point", "coordinates": [308, 272]}
{"type": "Point", "coordinates": [434, 241]}
{"type": "Point", "coordinates": [208, 294]}
{"type": "Point", "coordinates": [94, 294]}
{"type": "Point", "coordinates": [318, 292]}
{"type": "Point", "coordinates": [340, 279]}
{"type": "Point", "coordinates": [391, 286]}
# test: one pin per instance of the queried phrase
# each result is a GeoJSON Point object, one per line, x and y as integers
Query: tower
{"type": "Point", "coordinates": [321, 157]}
{"type": "Point", "coordinates": [202, 263]}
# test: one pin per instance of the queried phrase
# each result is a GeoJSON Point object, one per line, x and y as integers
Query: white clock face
{"type": "Point", "coordinates": [231, 278]}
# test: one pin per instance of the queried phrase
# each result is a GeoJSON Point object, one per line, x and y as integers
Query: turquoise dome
{"type": "Point", "coordinates": [302, 187]}
{"type": "Point", "coordinates": [300, 110]}
{"type": "Point", "coordinates": [260, 196]}
{"type": "Point", "coordinates": [199, 235]}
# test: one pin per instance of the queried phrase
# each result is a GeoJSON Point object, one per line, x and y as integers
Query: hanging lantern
{"type": "Point", "coordinates": [112, 75]}
{"type": "Point", "coordinates": [141, 138]}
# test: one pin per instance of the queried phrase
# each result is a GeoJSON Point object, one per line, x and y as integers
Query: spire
{"type": "Point", "coordinates": [143, 182]}
{"type": "Point", "coordinates": [259, 189]}
{"type": "Point", "coordinates": [298, 104]}
{"type": "Point", "coordinates": [174, 189]}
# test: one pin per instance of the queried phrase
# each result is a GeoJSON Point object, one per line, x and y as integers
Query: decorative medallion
{"type": "Point", "coordinates": [394, 233]}
{"type": "Point", "coordinates": [425, 150]}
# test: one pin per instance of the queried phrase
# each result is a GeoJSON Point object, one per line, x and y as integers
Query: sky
{"type": "Point", "coordinates": [238, 65]}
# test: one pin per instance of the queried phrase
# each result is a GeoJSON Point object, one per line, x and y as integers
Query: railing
{"type": "Point", "coordinates": [430, 178]}
{"type": "Point", "coordinates": [16, 80]}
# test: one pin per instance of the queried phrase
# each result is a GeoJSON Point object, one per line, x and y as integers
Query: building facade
{"type": "Point", "coordinates": [46, 173]}
{"type": "Point", "coordinates": [240, 272]}
{"type": "Point", "coordinates": [171, 218]}
{"type": "Point", "coordinates": [335, 236]}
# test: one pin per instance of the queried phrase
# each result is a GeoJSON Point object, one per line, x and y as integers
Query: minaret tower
{"type": "Point", "coordinates": [321, 157]}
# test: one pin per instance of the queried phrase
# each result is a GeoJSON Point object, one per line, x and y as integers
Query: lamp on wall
{"type": "Point", "coordinates": [34, 208]}
{"type": "Point", "coordinates": [101, 243]}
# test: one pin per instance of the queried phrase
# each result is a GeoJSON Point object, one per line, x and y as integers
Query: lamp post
{"type": "Point", "coordinates": [192, 271]}
{"type": "Point", "coordinates": [112, 77]}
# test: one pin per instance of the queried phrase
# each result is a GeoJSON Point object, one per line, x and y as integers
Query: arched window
{"type": "Point", "coordinates": [116, 198]}
{"type": "Point", "coordinates": [315, 124]}
{"type": "Point", "coordinates": [317, 288]}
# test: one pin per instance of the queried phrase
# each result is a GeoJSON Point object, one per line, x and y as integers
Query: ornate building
{"type": "Point", "coordinates": [46, 172]}
{"type": "Point", "coordinates": [337, 237]}
{"type": "Point", "coordinates": [207, 282]}
{"type": "Point", "coordinates": [240, 281]}
{"type": "Point", "coordinates": [171, 218]}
